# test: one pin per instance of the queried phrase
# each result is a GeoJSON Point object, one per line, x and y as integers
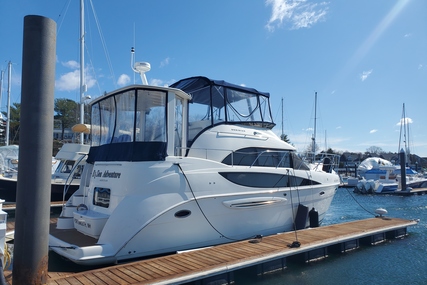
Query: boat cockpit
{"type": "Point", "coordinates": [148, 123]}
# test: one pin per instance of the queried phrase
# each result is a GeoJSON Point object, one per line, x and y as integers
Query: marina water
{"type": "Point", "coordinates": [398, 261]}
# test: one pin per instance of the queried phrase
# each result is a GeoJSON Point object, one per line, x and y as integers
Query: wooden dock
{"type": "Point", "coordinates": [12, 206]}
{"type": "Point", "coordinates": [219, 262]}
{"type": "Point", "coordinates": [414, 191]}
{"type": "Point", "coordinates": [10, 225]}
{"type": "Point", "coordinates": [398, 192]}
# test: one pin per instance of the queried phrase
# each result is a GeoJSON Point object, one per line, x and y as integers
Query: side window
{"type": "Point", "coordinates": [259, 157]}
{"type": "Point", "coordinates": [178, 126]}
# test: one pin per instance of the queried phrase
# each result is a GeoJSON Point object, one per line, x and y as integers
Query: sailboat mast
{"type": "Point", "coordinates": [82, 64]}
{"type": "Point", "coordinates": [313, 147]}
{"type": "Point", "coordinates": [282, 121]}
{"type": "Point", "coordinates": [1, 94]}
{"type": "Point", "coordinates": [406, 132]}
{"type": "Point", "coordinates": [9, 84]}
{"type": "Point", "coordinates": [404, 125]}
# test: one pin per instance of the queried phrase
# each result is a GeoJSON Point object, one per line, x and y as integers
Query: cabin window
{"type": "Point", "coordinates": [101, 197]}
{"type": "Point", "coordinates": [264, 106]}
{"type": "Point", "coordinates": [108, 119]}
{"type": "Point", "coordinates": [242, 107]}
{"type": "Point", "coordinates": [266, 180]}
{"type": "Point", "coordinates": [199, 115]}
{"type": "Point", "coordinates": [66, 166]}
{"type": "Point", "coordinates": [151, 116]}
{"type": "Point", "coordinates": [96, 125]}
{"type": "Point", "coordinates": [253, 156]}
{"type": "Point", "coordinates": [125, 107]}
{"type": "Point", "coordinates": [178, 126]}
{"type": "Point", "coordinates": [103, 121]}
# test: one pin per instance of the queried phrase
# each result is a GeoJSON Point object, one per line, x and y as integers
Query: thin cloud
{"type": "Point", "coordinates": [404, 121]}
{"type": "Point", "coordinates": [407, 35]}
{"type": "Point", "coordinates": [72, 64]}
{"type": "Point", "coordinates": [164, 62]}
{"type": "Point", "coordinates": [160, 82]}
{"type": "Point", "coordinates": [71, 81]}
{"type": "Point", "coordinates": [373, 131]}
{"type": "Point", "coordinates": [298, 13]}
{"type": "Point", "coordinates": [123, 80]}
{"type": "Point", "coordinates": [365, 74]}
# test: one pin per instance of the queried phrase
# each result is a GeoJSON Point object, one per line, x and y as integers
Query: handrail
{"type": "Point", "coordinates": [68, 180]}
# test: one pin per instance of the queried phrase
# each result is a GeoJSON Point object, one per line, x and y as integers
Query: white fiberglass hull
{"type": "Point", "coordinates": [188, 205]}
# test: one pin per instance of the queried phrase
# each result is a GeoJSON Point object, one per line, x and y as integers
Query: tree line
{"type": "Point", "coordinates": [67, 114]}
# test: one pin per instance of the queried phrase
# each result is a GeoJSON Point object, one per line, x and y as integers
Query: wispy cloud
{"type": "Point", "coordinates": [160, 82]}
{"type": "Point", "coordinates": [407, 35]}
{"type": "Point", "coordinates": [71, 81]}
{"type": "Point", "coordinates": [71, 64]}
{"type": "Point", "coordinates": [365, 74]}
{"type": "Point", "coordinates": [404, 121]}
{"type": "Point", "coordinates": [164, 62]}
{"type": "Point", "coordinates": [373, 131]}
{"type": "Point", "coordinates": [123, 80]}
{"type": "Point", "coordinates": [298, 13]}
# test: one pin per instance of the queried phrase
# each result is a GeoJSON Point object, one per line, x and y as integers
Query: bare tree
{"type": "Point", "coordinates": [374, 150]}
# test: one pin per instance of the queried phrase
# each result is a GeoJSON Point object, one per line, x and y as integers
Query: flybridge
{"type": "Point", "coordinates": [218, 101]}
{"type": "Point", "coordinates": [149, 123]}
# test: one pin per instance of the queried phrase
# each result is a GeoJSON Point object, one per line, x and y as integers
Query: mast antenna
{"type": "Point", "coordinates": [139, 67]}
{"type": "Point", "coordinates": [313, 147]}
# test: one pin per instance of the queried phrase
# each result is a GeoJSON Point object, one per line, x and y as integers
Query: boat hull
{"type": "Point", "coordinates": [186, 207]}
{"type": "Point", "coordinates": [8, 190]}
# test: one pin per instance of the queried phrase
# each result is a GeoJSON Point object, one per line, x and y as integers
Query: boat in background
{"type": "Point", "coordinates": [66, 178]}
{"type": "Point", "coordinates": [67, 167]}
{"type": "Point", "coordinates": [9, 155]}
{"type": "Point", "coordinates": [386, 183]}
{"type": "Point", "coordinates": [370, 168]}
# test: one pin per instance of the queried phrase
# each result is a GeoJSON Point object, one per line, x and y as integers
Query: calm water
{"type": "Point", "coordinates": [399, 261]}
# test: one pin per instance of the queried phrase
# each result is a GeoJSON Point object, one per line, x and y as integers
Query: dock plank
{"type": "Point", "coordinates": [192, 265]}
{"type": "Point", "coordinates": [169, 265]}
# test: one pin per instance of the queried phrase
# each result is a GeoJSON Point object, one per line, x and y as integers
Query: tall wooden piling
{"type": "Point", "coordinates": [30, 264]}
{"type": "Point", "coordinates": [402, 157]}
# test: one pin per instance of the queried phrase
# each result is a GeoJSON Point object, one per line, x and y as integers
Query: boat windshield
{"type": "Point", "coordinates": [215, 102]}
{"type": "Point", "coordinates": [133, 115]}
{"type": "Point", "coordinates": [131, 125]}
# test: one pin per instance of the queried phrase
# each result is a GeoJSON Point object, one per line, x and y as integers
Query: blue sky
{"type": "Point", "coordinates": [364, 58]}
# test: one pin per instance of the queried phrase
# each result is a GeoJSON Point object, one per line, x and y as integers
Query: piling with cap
{"type": "Point", "coordinates": [30, 261]}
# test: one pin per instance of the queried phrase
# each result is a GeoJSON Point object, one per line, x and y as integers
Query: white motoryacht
{"type": "Point", "coordinates": [182, 167]}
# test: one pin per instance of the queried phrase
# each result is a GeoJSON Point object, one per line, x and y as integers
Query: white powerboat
{"type": "Point", "coordinates": [67, 167]}
{"type": "Point", "coordinates": [71, 159]}
{"type": "Point", "coordinates": [183, 167]}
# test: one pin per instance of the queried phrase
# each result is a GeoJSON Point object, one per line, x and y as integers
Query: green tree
{"type": "Point", "coordinates": [285, 138]}
{"type": "Point", "coordinates": [66, 113]}
{"type": "Point", "coordinates": [14, 122]}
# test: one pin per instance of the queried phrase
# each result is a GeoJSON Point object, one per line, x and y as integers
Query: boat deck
{"type": "Point", "coordinates": [71, 236]}
{"type": "Point", "coordinates": [213, 261]}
